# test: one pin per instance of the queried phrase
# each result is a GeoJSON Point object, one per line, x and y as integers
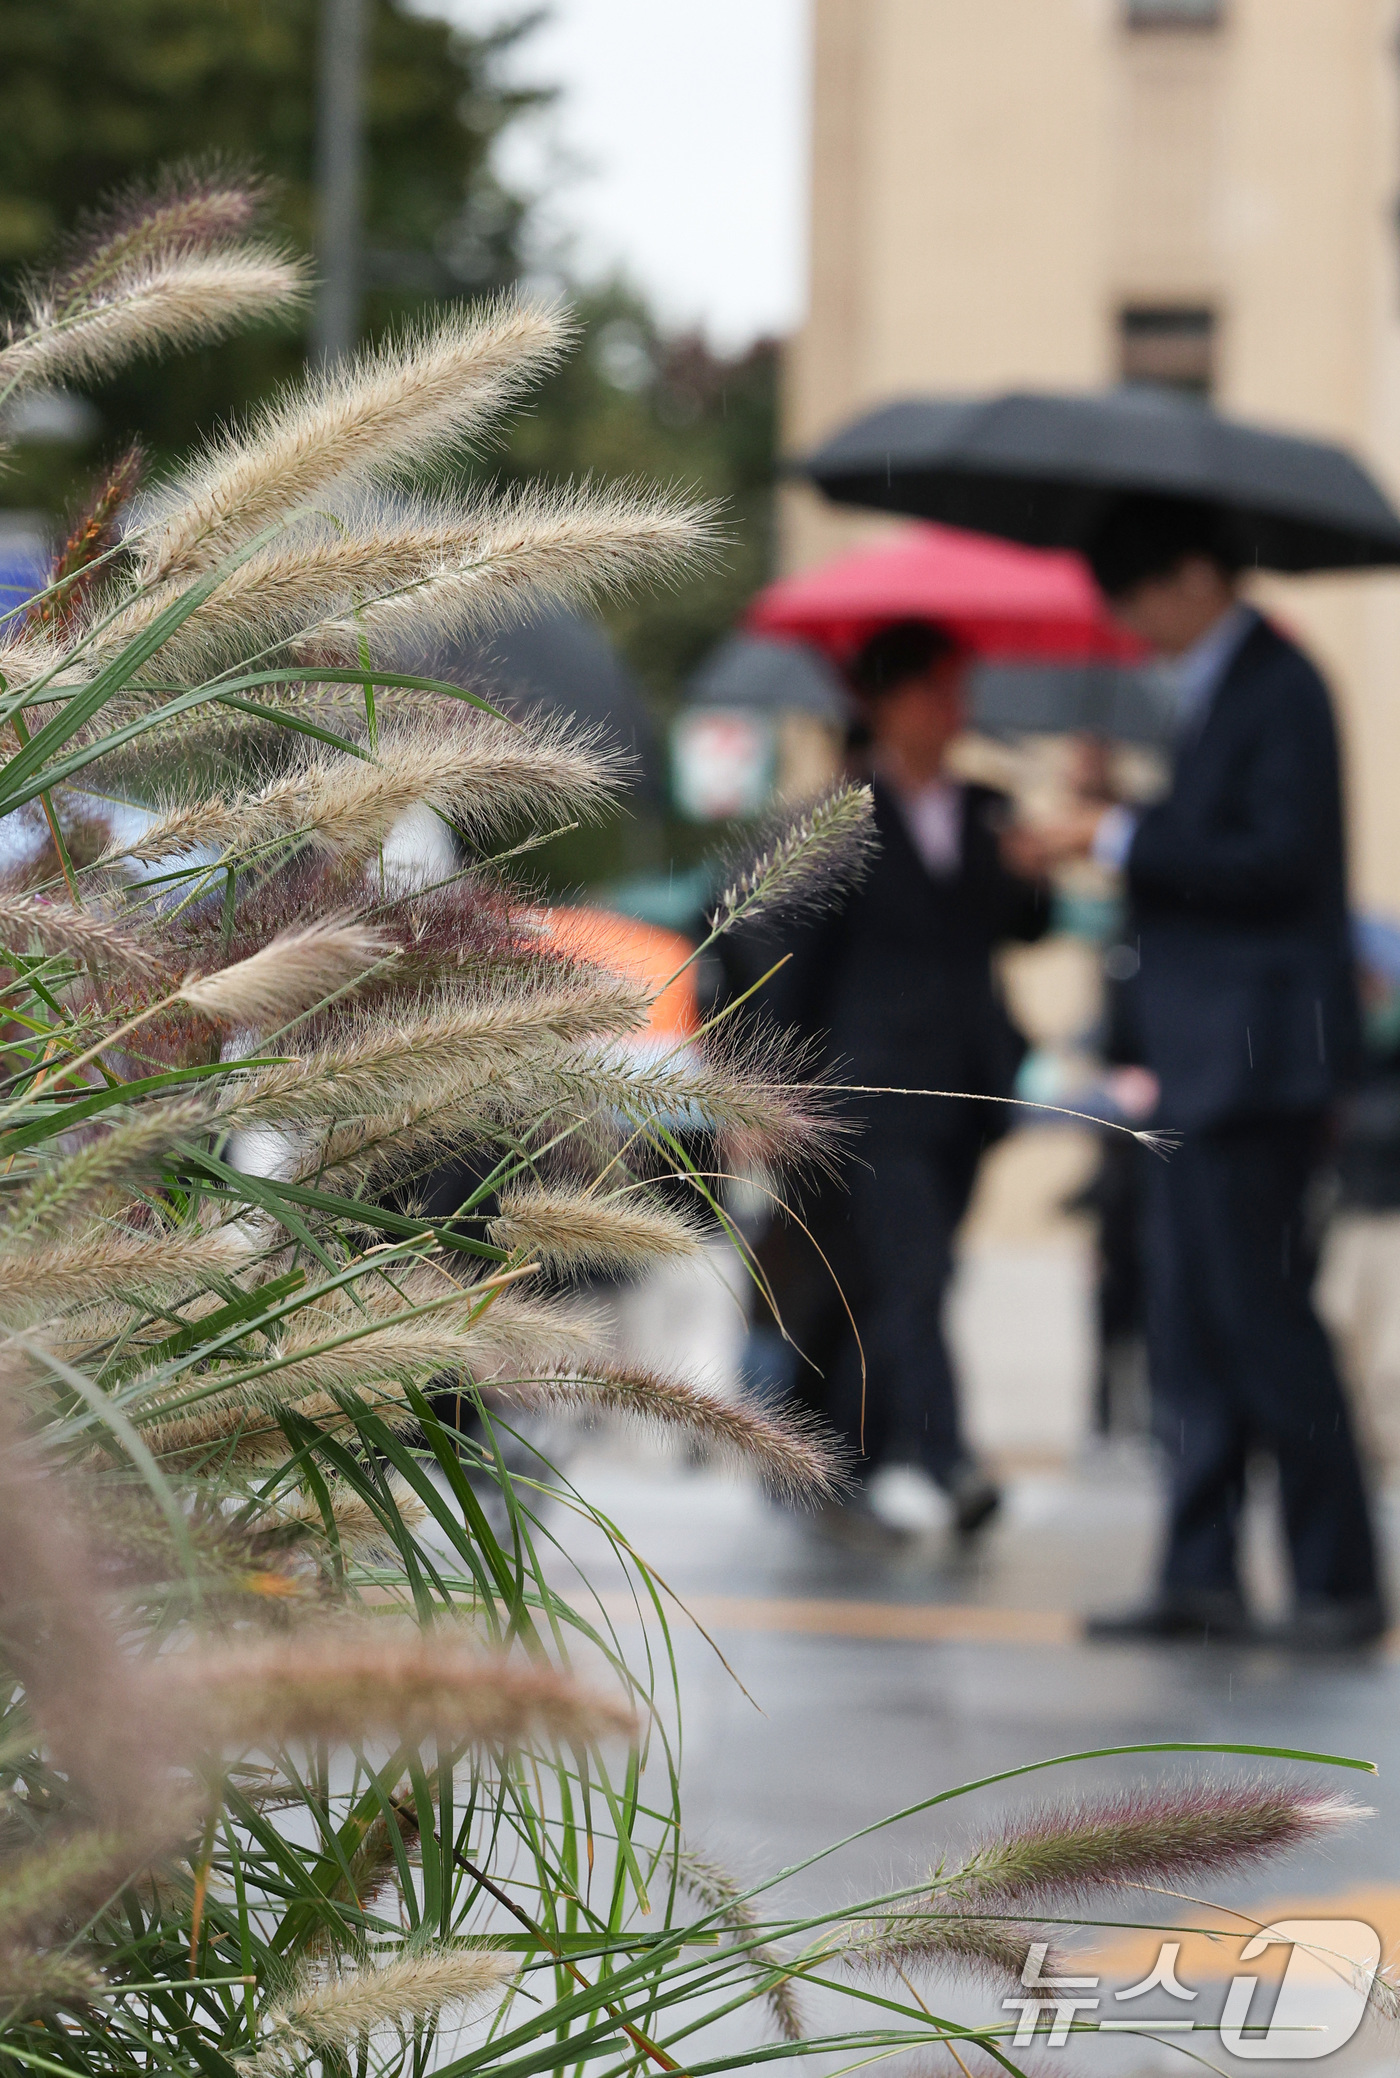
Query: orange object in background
{"type": "Point", "coordinates": [643, 952]}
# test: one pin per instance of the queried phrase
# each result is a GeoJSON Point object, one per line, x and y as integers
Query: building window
{"type": "Point", "coordinates": [1173, 14]}
{"type": "Point", "coordinates": [1168, 343]}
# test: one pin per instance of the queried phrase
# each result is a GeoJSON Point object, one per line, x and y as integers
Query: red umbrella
{"type": "Point", "coordinates": [1000, 600]}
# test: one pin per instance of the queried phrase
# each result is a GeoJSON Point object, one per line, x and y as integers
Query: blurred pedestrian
{"type": "Point", "coordinates": [1246, 1009]}
{"type": "Point", "coordinates": [897, 991]}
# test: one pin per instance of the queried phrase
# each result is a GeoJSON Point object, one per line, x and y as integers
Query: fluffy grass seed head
{"type": "Point", "coordinates": [1168, 1835]}
{"type": "Point", "coordinates": [338, 2011]}
{"type": "Point", "coordinates": [90, 936]}
{"type": "Point", "coordinates": [807, 862]}
{"type": "Point", "coordinates": [294, 973]}
{"type": "Point", "coordinates": [792, 1454]}
{"type": "Point", "coordinates": [577, 1230]}
{"type": "Point", "coordinates": [359, 1683]}
{"type": "Point", "coordinates": [114, 1162]}
{"type": "Point", "coordinates": [401, 405]}
{"type": "Point", "coordinates": [715, 1888]}
{"type": "Point", "coordinates": [943, 1938]}
{"type": "Point", "coordinates": [167, 301]}
{"type": "Point", "coordinates": [481, 775]}
{"type": "Point", "coordinates": [112, 1263]}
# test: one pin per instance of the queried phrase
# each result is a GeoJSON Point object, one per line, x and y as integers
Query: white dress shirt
{"type": "Point", "coordinates": [934, 818]}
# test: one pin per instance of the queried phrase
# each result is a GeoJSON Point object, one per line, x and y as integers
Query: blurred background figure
{"type": "Point", "coordinates": [1247, 1017]}
{"type": "Point", "coordinates": [896, 991]}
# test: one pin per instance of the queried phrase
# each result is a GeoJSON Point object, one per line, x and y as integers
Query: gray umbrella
{"type": "Point", "coordinates": [1121, 702]}
{"type": "Point", "coordinates": [755, 671]}
{"type": "Point", "coordinates": [562, 660]}
{"type": "Point", "coordinates": [1042, 469]}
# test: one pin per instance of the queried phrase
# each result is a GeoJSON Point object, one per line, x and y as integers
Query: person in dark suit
{"type": "Point", "coordinates": [897, 992]}
{"type": "Point", "coordinates": [1246, 1011]}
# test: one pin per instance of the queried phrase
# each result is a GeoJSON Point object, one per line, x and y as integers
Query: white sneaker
{"type": "Point", "coordinates": [903, 1498]}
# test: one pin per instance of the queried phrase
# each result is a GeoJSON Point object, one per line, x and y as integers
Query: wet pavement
{"type": "Point", "coordinates": [841, 1682]}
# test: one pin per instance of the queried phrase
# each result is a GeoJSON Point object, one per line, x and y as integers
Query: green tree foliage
{"type": "Point", "coordinates": [637, 403]}
{"type": "Point", "coordinates": [97, 93]}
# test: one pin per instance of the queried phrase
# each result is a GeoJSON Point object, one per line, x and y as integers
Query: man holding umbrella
{"type": "Point", "coordinates": [1246, 1014]}
{"type": "Point", "coordinates": [1237, 885]}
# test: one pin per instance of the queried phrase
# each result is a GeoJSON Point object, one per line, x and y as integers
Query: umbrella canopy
{"type": "Point", "coordinates": [1000, 601]}
{"type": "Point", "coordinates": [1042, 468]}
{"type": "Point", "coordinates": [556, 658]}
{"type": "Point", "coordinates": [775, 677]}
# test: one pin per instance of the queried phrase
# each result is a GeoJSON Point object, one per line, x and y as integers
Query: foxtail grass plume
{"type": "Point", "coordinates": [430, 1052]}
{"type": "Point", "coordinates": [946, 1939]}
{"type": "Point", "coordinates": [401, 573]}
{"type": "Point", "coordinates": [35, 1982]}
{"type": "Point", "coordinates": [1175, 1834]}
{"type": "Point", "coordinates": [112, 1263]}
{"type": "Point", "coordinates": [564, 548]}
{"type": "Point", "coordinates": [358, 1527]}
{"type": "Point", "coordinates": [90, 541]}
{"type": "Point", "coordinates": [179, 300]}
{"type": "Point", "coordinates": [714, 1888]}
{"type": "Point", "coordinates": [364, 1682]}
{"type": "Point", "coordinates": [480, 776]}
{"type": "Point", "coordinates": [295, 973]}
{"type": "Point", "coordinates": [116, 1161]}
{"type": "Point", "coordinates": [337, 2012]}
{"type": "Point", "coordinates": [575, 1230]}
{"type": "Point", "coordinates": [400, 406]}
{"type": "Point", "coordinates": [806, 863]}
{"type": "Point", "coordinates": [90, 936]}
{"type": "Point", "coordinates": [794, 1456]}
{"type": "Point", "coordinates": [185, 209]}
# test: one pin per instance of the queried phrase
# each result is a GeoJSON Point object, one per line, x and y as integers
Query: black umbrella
{"type": "Point", "coordinates": [1042, 469]}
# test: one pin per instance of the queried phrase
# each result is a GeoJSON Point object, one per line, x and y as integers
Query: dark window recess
{"type": "Point", "coordinates": [1174, 14]}
{"type": "Point", "coordinates": [1168, 344]}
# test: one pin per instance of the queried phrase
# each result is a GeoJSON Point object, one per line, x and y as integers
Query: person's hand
{"type": "Point", "coordinates": [1035, 849]}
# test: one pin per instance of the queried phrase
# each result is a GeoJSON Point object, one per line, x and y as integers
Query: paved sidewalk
{"type": "Point", "coordinates": [873, 1682]}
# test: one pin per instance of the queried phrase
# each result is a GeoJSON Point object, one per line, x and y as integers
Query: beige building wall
{"type": "Point", "coordinates": [994, 180]}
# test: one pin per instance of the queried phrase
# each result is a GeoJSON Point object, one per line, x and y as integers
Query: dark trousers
{"type": "Point", "coordinates": [890, 1243]}
{"type": "Point", "coordinates": [1241, 1363]}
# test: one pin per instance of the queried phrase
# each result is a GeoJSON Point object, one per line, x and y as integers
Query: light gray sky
{"type": "Point", "coordinates": [677, 152]}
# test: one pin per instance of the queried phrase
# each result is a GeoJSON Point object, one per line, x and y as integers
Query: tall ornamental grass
{"type": "Point", "coordinates": [306, 1758]}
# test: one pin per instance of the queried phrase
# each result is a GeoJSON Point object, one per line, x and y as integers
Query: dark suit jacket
{"type": "Point", "coordinates": [1237, 882]}
{"type": "Point", "coordinates": [897, 987]}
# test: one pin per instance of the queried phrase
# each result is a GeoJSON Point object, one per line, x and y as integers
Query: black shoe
{"type": "Point", "coordinates": [1182, 1618]}
{"type": "Point", "coordinates": [975, 1499]}
{"type": "Point", "coordinates": [1323, 1625]}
